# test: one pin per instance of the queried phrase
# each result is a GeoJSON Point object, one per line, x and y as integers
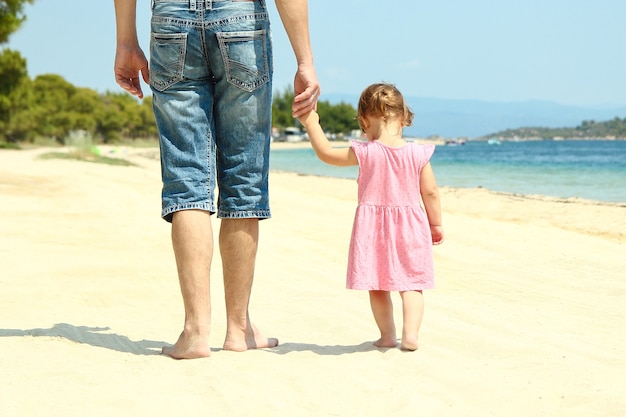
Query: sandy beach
{"type": "Point", "coordinates": [527, 317]}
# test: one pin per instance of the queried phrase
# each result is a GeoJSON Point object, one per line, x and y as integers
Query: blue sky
{"type": "Point", "coordinates": [565, 51]}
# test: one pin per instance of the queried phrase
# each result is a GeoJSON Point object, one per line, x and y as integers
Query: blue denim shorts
{"type": "Point", "coordinates": [211, 78]}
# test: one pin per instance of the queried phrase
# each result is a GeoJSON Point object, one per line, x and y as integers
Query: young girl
{"type": "Point", "coordinates": [392, 236]}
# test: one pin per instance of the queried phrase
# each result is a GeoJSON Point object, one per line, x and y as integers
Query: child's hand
{"type": "Point", "coordinates": [437, 234]}
{"type": "Point", "coordinates": [309, 118]}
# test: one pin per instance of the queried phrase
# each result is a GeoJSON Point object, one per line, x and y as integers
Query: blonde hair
{"type": "Point", "coordinates": [385, 101]}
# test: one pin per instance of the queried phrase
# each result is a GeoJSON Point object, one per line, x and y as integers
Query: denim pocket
{"type": "Point", "coordinates": [245, 58]}
{"type": "Point", "coordinates": [167, 59]}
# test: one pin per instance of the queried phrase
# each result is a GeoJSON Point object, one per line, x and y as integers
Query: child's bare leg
{"type": "Point", "coordinates": [382, 307]}
{"type": "Point", "coordinates": [412, 313]}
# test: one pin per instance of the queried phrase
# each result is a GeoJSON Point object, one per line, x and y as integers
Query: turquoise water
{"type": "Point", "coordinates": [592, 169]}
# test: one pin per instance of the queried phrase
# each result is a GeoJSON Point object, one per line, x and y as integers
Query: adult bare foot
{"type": "Point", "coordinates": [189, 347]}
{"type": "Point", "coordinates": [384, 342]}
{"type": "Point", "coordinates": [250, 339]}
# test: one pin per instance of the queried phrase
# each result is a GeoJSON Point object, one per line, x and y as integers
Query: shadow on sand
{"type": "Point", "coordinates": [94, 336]}
{"type": "Point", "coordinates": [324, 350]}
{"type": "Point", "coordinates": [102, 338]}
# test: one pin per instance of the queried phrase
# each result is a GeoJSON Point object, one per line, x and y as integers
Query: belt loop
{"type": "Point", "coordinates": [192, 5]}
{"type": "Point", "coordinates": [208, 4]}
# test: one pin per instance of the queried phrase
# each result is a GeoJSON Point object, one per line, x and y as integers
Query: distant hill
{"type": "Point", "coordinates": [475, 118]}
{"type": "Point", "coordinates": [588, 129]}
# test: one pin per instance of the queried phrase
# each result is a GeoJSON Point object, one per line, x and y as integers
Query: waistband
{"type": "Point", "coordinates": [193, 3]}
{"type": "Point", "coordinates": [202, 4]}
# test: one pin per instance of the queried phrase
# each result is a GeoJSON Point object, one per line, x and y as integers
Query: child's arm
{"type": "Point", "coordinates": [322, 147]}
{"type": "Point", "coordinates": [432, 205]}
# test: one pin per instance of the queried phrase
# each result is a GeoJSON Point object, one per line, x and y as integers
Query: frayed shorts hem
{"type": "Point", "coordinates": [248, 214]}
{"type": "Point", "coordinates": [168, 212]}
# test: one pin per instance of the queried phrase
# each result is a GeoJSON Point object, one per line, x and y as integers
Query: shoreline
{"type": "Point", "coordinates": [507, 206]}
{"type": "Point", "coordinates": [306, 144]}
{"type": "Point", "coordinates": [543, 197]}
{"type": "Point", "coordinates": [494, 168]}
{"type": "Point", "coordinates": [151, 153]}
{"type": "Point", "coordinates": [442, 141]}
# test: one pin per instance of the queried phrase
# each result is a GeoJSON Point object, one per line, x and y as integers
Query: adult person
{"type": "Point", "coordinates": [211, 77]}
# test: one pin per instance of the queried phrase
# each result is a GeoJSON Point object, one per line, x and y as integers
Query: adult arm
{"type": "Point", "coordinates": [130, 60]}
{"type": "Point", "coordinates": [295, 17]}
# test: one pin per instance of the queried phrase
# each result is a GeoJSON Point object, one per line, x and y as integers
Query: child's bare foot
{"type": "Point", "coordinates": [409, 344]}
{"type": "Point", "coordinates": [189, 347]}
{"type": "Point", "coordinates": [386, 342]}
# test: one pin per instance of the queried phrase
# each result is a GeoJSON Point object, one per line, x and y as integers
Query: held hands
{"type": "Point", "coordinates": [129, 62]}
{"type": "Point", "coordinates": [437, 234]}
{"type": "Point", "coordinates": [310, 118]}
{"type": "Point", "coordinates": [307, 90]}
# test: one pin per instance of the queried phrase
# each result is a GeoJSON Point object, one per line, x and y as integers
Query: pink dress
{"type": "Point", "coordinates": [391, 244]}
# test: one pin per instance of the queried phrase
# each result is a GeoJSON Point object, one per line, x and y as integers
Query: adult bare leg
{"type": "Point", "coordinates": [192, 240]}
{"type": "Point", "coordinates": [412, 313]}
{"type": "Point", "coordinates": [382, 307]}
{"type": "Point", "coordinates": [239, 240]}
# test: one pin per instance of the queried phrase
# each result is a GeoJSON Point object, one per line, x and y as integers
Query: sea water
{"type": "Point", "coordinates": [588, 169]}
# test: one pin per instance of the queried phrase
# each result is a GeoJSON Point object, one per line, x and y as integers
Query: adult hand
{"type": "Point", "coordinates": [306, 89]}
{"type": "Point", "coordinates": [129, 62]}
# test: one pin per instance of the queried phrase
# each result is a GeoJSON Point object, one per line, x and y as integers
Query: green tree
{"type": "Point", "coordinates": [20, 126]}
{"type": "Point", "coordinates": [123, 116]}
{"type": "Point", "coordinates": [13, 80]}
{"type": "Point", "coordinates": [281, 108]}
{"type": "Point", "coordinates": [147, 128]}
{"type": "Point", "coordinates": [13, 74]}
{"type": "Point", "coordinates": [11, 17]}
{"type": "Point", "coordinates": [84, 107]}
{"type": "Point", "coordinates": [339, 118]}
{"type": "Point", "coordinates": [52, 95]}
